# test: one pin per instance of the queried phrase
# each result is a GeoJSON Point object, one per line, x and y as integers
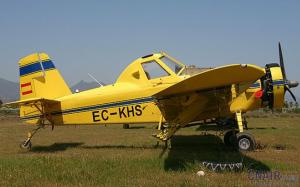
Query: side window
{"type": "Point", "coordinates": [154, 70]}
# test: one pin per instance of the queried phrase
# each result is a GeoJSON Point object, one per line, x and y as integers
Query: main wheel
{"type": "Point", "coordinates": [125, 126]}
{"type": "Point", "coordinates": [26, 145]}
{"type": "Point", "coordinates": [246, 141]}
{"type": "Point", "coordinates": [230, 138]}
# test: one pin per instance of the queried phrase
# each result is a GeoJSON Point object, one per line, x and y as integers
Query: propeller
{"type": "Point", "coordinates": [287, 83]}
{"type": "Point", "coordinates": [281, 62]}
{"type": "Point", "coordinates": [293, 96]}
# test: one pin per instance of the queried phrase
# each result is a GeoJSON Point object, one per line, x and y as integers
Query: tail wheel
{"type": "Point", "coordinates": [26, 145]}
{"type": "Point", "coordinates": [246, 141]}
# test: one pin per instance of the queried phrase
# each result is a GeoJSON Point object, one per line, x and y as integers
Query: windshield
{"type": "Point", "coordinates": [154, 70]}
{"type": "Point", "coordinates": [172, 64]}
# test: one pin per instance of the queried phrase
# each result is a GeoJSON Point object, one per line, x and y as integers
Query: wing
{"type": "Point", "coordinates": [206, 92]}
{"type": "Point", "coordinates": [214, 78]}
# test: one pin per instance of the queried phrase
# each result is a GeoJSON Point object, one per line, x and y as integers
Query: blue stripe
{"type": "Point", "coordinates": [255, 85]}
{"type": "Point", "coordinates": [30, 69]}
{"type": "Point", "coordinates": [48, 65]}
{"type": "Point", "coordinates": [94, 107]}
{"type": "Point", "coordinates": [278, 82]}
{"type": "Point", "coordinates": [31, 117]}
{"type": "Point", "coordinates": [35, 67]}
{"type": "Point", "coordinates": [275, 82]}
{"type": "Point", "coordinates": [103, 106]}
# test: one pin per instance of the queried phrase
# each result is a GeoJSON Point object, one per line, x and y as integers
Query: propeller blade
{"type": "Point", "coordinates": [293, 96]}
{"type": "Point", "coordinates": [281, 61]}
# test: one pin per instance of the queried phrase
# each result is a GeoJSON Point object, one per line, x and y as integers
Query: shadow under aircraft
{"type": "Point", "coordinates": [188, 150]}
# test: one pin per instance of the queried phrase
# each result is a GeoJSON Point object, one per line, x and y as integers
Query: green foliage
{"type": "Point", "coordinates": [290, 109]}
{"type": "Point", "coordinates": [9, 111]}
{"type": "Point", "coordinates": [296, 110]}
{"type": "Point", "coordinates": [291, 104]}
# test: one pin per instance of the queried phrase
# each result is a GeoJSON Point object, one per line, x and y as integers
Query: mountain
{"type": "Point", "coordinates": [83, 85]}
{"type": "Point", "coordinates": [9, 91]}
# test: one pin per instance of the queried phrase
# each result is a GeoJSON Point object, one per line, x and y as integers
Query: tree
{"type": "Point", "coordinates": [296, 105]}
{"type": "Point", "coordinates": [291, 104]}
{"type": "Point", "coordinates": [286, 104]}
{"type": "Point", "coordinates": [1, 103]}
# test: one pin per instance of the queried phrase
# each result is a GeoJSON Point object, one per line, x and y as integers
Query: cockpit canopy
{"type": "Point", "coordinates": [151, 67]}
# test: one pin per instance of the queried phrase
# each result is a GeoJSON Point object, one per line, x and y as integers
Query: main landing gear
{"type": "Point", "coordinates": [242, 140]}
{"type": "Point", "coordinates": [238, 138]}
{"type": "Point", "coordinates": [126, 126]}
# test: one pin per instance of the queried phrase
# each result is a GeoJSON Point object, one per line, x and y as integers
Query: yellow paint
{"type": "Point", "coordinates": [246, 100]}
{"type": "Point", "coordinates": [133, 98]}
{"type": "Point", "coordinates": [239, 120]}
{"type": "Point", "coordinates": [278, 90]}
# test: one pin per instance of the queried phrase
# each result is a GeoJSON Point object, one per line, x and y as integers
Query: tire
{"type": "Point", "coordinates": [126, 126]}
{"type": "Point", "coordinates": [230, 138]}
{"type": "Point", "coordinates": [25, 145]}
{"type": "Point", "coordinates": [246, 142]}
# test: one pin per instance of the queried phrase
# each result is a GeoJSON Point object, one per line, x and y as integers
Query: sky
{"type": "Point", "coordinates": [103, 37]}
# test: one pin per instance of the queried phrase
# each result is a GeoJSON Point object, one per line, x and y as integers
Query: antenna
{"type": "Point", "coordinates": [101, 85]}
{"type": "Point", "coordinates": [41, 64]}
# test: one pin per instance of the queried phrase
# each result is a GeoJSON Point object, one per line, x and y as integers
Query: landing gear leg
{"type": "Point", "coordinates": [27, 143]}
{"type": "Point", "coordinates": [239, 121]}
{"type": "Point", "coordinates": [245, 141]}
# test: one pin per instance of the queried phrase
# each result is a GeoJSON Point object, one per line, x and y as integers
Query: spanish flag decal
{"type": "Point", "coordinates": [26, 88]}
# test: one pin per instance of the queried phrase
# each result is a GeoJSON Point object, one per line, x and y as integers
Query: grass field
{"type": "Point", "coordinates": [112, 156]}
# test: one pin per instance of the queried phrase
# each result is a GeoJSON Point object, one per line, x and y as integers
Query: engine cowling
{"type": "Point", "coordinates": [273, 85]}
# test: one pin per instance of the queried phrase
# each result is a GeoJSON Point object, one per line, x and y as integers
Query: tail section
{"type": "Point", "coordinates": [40, 78]}
{"type": "Point", "coordinates": [40, 84]}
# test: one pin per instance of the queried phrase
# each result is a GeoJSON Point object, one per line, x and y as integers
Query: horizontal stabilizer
{"type": "Point", "coordinates": [31, 101]}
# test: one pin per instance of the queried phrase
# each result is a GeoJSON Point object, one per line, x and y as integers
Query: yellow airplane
{"type": "Point", "coordinates": [153, 89]}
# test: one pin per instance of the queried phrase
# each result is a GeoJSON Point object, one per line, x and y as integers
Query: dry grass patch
{"type": "Point", "coordinates": [112, 156]}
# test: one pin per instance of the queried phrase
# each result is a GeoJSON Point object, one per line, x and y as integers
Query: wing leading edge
{"type": "Point", "coordinates": [207, 93]}
{"type": "Point", "coordinates": [214, 78]}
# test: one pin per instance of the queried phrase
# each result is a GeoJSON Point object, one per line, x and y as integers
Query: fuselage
{"type": "Point", "coordinates": [129, 99]}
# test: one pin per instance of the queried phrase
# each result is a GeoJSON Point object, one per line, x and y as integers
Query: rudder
{"type": "Point", "coordinates": [40, 78]}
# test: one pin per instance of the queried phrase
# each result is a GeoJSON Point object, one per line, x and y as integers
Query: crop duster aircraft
{"type": "Point", "coordinates": [154, 89]}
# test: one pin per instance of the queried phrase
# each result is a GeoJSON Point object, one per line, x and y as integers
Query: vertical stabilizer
{"type": "Point", "coordinates": [40, 78]}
